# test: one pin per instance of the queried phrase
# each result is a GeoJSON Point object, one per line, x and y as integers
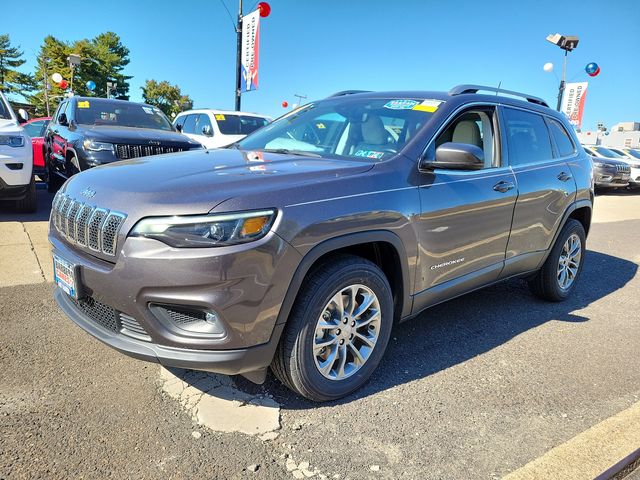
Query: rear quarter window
{"type": "Point", "coordinates": [561, 137]}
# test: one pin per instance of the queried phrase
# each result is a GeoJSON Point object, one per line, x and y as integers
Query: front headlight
{"type": "Point", "coordinates": [603, 165]}
{"type": "Point", "coordinates": [207, 230]}
{"type": "Point", "coordinates": [12, 140]}
{"type": "Point", "coordinates": [94, 146]}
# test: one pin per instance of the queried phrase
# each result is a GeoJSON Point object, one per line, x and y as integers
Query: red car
{"type": "Point", "coordinates": [35, 129]}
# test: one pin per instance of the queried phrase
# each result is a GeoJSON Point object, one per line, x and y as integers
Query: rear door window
{"type": "Point", "coordinates": [561, 137]}
{"type": "Point", "coordinates": [202, 123]}
{"type": "Point", "coordinates": [528, 137]}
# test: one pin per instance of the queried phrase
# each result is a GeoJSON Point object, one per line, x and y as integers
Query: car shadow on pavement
{"type": "Point", "coordinates": [8, 213]}
{"type": "Point", "coordinates": [463, 328]}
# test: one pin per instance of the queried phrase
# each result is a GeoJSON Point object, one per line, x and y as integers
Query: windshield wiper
{"type": "Point", "coordinates": [286, 151]}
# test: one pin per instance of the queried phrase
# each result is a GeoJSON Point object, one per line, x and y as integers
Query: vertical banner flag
{"type": "Point", "coordinates": [250, 51]}
{"type": "Point", "coordinates": [573, 100]}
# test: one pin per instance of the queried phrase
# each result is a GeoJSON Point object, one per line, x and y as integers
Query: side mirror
{"type": "Point", "coordinates": [206, 130]}
{"type": "Point", "coordinates": [23, 115]}
{"type": "Point", "coordinates": [62, 119]}
{"type": "Point", "coordinates": [456, 156]}
{"type": "Point", "coordinates": [178, 127]}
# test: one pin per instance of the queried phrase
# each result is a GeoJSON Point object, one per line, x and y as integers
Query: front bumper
{"type": "Point", "coordinates": [244, 285]}
{"type": "Point", "coordinates": [634, 179]}
{"type": "Point", "coordinates": [13, 179]}
{"type": "Point", "coordinates": [610, 177]}
{"type": "Point", "coordinates": [228, 362]}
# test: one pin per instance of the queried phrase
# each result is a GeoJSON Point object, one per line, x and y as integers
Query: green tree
{"type": "Point", "coordinates": [11, 80]}
{"type": "Point", "coordinates": [103, 58]}
{"type": "Point", "coordinates": [166, 97]}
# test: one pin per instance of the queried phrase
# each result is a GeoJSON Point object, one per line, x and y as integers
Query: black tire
{"type": "Point", "coordinates": [54, 181]}
{"type": "Point", "coordinates": [29, 203]}
{"type": "Point", "coordinates": [545, 284]}
{"type": "Point", "coordinates": [294, 362]}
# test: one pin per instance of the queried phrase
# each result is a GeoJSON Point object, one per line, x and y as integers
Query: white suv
{"type": "Point", "coordinates": [16, 160]}
{"type": "Point", "coordinates": [218, 128]}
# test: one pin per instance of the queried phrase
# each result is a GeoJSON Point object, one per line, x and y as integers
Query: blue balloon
{"type": "Point", "coordinates": [91, 85]}
{"type": "Point", "coordinates": [591, 68]}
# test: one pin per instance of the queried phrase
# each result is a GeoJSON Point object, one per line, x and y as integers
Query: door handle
{"type": "Point", "coordinates": [503, 186]}
{"type": "Point", "coordinates": [563, 176]}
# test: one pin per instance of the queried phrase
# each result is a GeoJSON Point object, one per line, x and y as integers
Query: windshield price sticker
{"type": "Point", "coordinates": [428, 106]}
{"type": "Point", "coordinates": [401, 104]}
{"type": "Point", "coordinates": [83, 104]}
{"type": "Point", "coordinates": [220, 117]}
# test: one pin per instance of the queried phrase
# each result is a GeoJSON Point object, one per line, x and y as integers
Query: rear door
{"type": "Point", "coordinates": [545, 186]}
{"type": "Point", "coordinates": [466, 214]}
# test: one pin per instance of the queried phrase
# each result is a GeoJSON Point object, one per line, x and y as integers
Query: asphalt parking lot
{"type": "Point", "coordinates": [491, 384]}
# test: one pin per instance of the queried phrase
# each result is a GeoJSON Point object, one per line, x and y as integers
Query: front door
{"type": "Point", "coordinates": [466, 215]}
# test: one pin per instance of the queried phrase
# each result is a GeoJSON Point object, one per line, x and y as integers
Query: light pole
{"type": "Point", "coordinates": [74, 61]}
{"type": "Point", "coordinates": [239, 57]}
{"type": "Point", "coordinates": [566, 43]}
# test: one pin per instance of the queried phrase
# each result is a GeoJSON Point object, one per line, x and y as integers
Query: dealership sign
{"type": "Point", "coordinates": [573, 100]}
{"type": "Point", "coordinates": [250, 51]}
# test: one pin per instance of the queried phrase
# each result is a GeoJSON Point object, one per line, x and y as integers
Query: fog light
{"type": "Point", "coordinates": [210, 317]}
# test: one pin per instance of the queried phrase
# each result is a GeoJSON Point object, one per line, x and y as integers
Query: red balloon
{"type": "Point", "coordinates": [265, 9]}
{"type": "Point", "coordinates": [63, 84]}
{"type": "Point", "coordinates": [285, 104]}
{"type": "Point", "coordinates": [594, 74]}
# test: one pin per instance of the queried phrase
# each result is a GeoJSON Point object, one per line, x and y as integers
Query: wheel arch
{"type": "Point", "coordinates": [580, 210]}
{"type": "Point", "coordinates": [382, 247]}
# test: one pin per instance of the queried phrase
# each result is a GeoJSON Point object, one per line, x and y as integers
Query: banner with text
{"type": "Point", "coordinates": [573, 100]}
{"type": "Point", "coordinates": [250, 51]}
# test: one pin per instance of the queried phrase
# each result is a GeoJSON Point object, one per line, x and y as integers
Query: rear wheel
{"type": "Point", "coordinates": [337, 331]}
{"type": "Point", "coordinates": [29, 203]}
{"type": "Point", "coordinates": [558, 276]}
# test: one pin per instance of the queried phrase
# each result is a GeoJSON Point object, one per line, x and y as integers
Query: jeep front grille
{"type": "Point", "coordinates": [124, 151]}
{"type": "Point", "coordinates": [623, 168]}
{"type": "Point", "coordinates": [87, 225]}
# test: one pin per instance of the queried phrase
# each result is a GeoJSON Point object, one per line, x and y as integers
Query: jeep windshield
{"type": "Point", "coordinates": [345, 127]}
{"type": "Point", "coordinates": [100, 111]}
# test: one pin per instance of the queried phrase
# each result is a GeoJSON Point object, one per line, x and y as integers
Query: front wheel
{"type": "Point", "coordinates": [29, 203]}
{"type": "Point", "coordinates": [558, 276]}
{"type": "Point", "coordinates": [338, 329]}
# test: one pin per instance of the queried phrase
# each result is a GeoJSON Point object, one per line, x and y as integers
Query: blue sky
{"type": "Point", "coordinates": [315, 48]}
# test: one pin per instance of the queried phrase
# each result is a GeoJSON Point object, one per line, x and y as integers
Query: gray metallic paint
{"type": "Point", "coordinates": [323, 204]}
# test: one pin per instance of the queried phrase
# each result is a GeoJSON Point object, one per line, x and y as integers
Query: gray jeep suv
{"type": "Point", "coordinates": [300, 247]}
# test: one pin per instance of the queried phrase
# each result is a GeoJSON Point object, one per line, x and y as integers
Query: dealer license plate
{"type": "Point", "coordinates": [65, 276]}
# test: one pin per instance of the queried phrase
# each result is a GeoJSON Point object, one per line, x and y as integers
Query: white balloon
{"type": "Point", "coordinates": [56, 77]}
{"type": "Point", "coordinates": [548, 67]}
{"type": "Point", "coordinates": [294, 105]}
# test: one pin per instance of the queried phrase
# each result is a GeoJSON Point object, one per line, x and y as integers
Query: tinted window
{"type": "Point", "coordinates": [100, 111]}
{"type": "Point", "coordinates": [528, 137]}
{"type": "Point", "coordinates": [36, 129]}
{"type": "Point", "coordinates": [605, 152]}
{"type": "Point", "coordinates": [562, 139]}
{"type": "Point", "coordinates": [61, 110]}
{"type": "Point", "coordinates": [239, 124]}
{"type": "Point", "coordinates": [189, 125]}
{"type": "Point", "coordinates": [202, 123]}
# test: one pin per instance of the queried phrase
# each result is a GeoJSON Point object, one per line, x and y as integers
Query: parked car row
{"type": "Point", "coordinates": [614, 167]}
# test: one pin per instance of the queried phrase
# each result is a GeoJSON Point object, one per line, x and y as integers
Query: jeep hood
{"type": "Point", "coordinates": [196, 181]}
{"type": "Point", "coordinates": [9, 127]}
{"type": "Point", "coordinates": [137, 136]}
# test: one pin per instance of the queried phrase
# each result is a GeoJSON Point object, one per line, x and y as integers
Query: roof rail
{"type": "Point", "coordinates": [460, 89]}
{"type": "Point", "coordinates": [347, 92]}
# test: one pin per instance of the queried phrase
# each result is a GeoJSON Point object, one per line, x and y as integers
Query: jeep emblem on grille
{"type": "Point", "coordinates": [88, 192]}
{"type": "Point", "coordinates": [154, 142]}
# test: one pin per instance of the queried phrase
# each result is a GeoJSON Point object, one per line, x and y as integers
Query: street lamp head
{"type": "Point", "coordinates": [565, 42]}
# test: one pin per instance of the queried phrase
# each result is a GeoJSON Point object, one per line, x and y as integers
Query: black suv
{"type": "Point", "coordinates": [87, 131]}
{"type": "Point", "coordinates": [302, 245]}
